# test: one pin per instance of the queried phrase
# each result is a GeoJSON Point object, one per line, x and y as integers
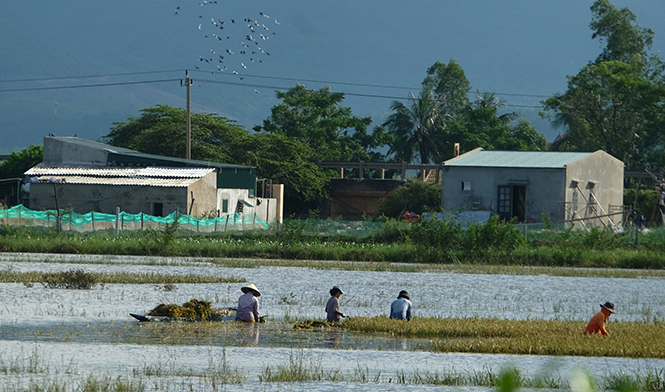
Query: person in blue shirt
{"type": "Point", "coordinates": [400, 309]}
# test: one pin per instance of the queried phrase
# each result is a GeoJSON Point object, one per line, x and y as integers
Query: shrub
{"type": "Point", "coordinates": [72, 279]}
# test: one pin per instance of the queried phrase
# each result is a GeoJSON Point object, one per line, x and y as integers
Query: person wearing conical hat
{"type": "Point", "coordinates": [332, 307]}
{"type": "Point", "coordinates": [248, 304]}
{"type": "Point", "coordinates": [400, 309]}
{"type": "Point", "coordinates": [597, 323]}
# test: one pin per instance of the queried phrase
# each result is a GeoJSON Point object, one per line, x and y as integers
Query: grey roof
{"type": "Point", "coordinates": [158, 182]}
{"type": "Point", "coordinates": [115, 171]}
{"type": "Point", "coordinates": [103, 175]}
{"type": "Point", "coordinates": [521, 159]}
{"type": "Point", "coordinates": [120, 153]}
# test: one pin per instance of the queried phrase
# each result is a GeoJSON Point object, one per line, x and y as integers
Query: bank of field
{"type": "Point", "coordinates": [431, 242]}
{"type": "Point", "coordinates": [531, 337]}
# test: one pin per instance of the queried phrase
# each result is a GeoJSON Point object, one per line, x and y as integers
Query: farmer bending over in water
{"type": "Point", "coordinates": [248, 305]}
{"type": "Point", "coordinates": [332, 307]}
{"type": "Point", "coordinates": [400, 309]}
{"type": "Point", "coordinates": [597, 323]}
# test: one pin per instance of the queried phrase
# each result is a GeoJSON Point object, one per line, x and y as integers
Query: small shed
{"type": "Point", "coordinates": [156, 191]}
{"type": "Point", "coordinates": [585, 187]}
{"type": "Point", "coordinates": [85, 176]}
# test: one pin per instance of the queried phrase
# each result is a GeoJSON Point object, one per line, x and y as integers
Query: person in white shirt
{"type": "Point", "coordinates": [248, 304]}
{"type": "Point", "coordinates": [400, 309]}
{"type": "Point", "coordinates": [332, 307]}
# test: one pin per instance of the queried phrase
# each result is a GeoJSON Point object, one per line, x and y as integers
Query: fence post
{"type": "Point", "coordinates": [92, 219]}
{"type": "Point", "coordinates": [117, 221]}
{"type": "Point", "coordinates": [142, 214]}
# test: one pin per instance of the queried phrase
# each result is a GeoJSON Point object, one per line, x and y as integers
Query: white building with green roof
{"type": "Point", "coordinates": [585, 188]}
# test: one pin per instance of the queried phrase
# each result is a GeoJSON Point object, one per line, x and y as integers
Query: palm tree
{"type": "Point", "coordinates": [417, 128]}
{"type": "Point", "coordinates": [489, 100]}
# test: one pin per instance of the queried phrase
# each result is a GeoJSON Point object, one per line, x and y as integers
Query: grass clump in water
{"type": "Point", "coordinates": [86, 280]}
{"type": "Point", "coordinates": [527, 337]}
{"type": "Point", "coordinates": [194, 309]}
{"type": "Point", "coordinates": [72, 279]}
{"type": "Point", "coordinates": [311, 324]}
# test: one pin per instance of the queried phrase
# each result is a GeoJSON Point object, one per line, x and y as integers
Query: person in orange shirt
{"type": "Point", "coordinates": [597, 323]}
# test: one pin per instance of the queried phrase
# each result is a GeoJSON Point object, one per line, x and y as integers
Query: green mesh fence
{"type": "Point", "coordinates": [92, 221]}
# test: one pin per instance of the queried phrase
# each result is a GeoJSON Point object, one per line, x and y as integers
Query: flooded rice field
{"type": "Point", "coordinates": [68, 335]}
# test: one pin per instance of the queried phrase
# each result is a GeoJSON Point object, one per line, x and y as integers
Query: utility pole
{"type": "Point", "coordinates": [188, 83]}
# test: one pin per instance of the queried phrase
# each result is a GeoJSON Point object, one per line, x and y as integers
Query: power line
{"type": "Point", "coordinates": [345, 93]}
{"type": "Point", "coordinates": [88, 85]}
{"type": "Point", "coordinates": [356, 84]}
{"type": "Point", "coordinates": [243, 75]}
{"type": "Point", "coordinates": [88, 76]}
{"type": "Point", "coordinates": [366, 95]}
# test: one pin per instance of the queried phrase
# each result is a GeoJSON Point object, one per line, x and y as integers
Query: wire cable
{"type": "Point", "coordinates": [89, 85]}
{"type": "Point", "coordinates": [88, 76]}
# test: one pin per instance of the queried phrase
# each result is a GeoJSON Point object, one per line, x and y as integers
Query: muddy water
{"type": "Point", "coordinates": [77, 332]}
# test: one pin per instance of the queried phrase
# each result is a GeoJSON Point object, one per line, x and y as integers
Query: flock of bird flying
{"type": "Point", "coordinates": [236, 43]}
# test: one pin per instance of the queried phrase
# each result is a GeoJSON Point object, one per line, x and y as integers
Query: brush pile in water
{"type": "Point", "coordinates": [310, 324]}
{"type": "Point", "coordinates": [194, 309]}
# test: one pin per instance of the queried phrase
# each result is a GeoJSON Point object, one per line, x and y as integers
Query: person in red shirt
{"type": "Point", "coordinates": [597, 323]}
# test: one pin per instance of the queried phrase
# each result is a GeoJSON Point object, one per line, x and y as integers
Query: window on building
{"type": "Point", "coordinates": [466, 185]}
{"type": "Point", "coordinates": [225, 205]}
{"type": "Point", "coordinates": [504, 201]}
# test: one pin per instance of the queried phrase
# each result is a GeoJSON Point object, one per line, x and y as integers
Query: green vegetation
{"type": "Point", "coordinates": [72, 279]}
{"type": "Point", "coordinates": [432, 242]}
{"type": "Point", "coordinates": [193, 309]}
{"type": "Point", "coordinates": [528, 337]}
{"type": "Point", "coordinates": [79, 279]}
{"type": "Point", "coordinates": [611, 104]}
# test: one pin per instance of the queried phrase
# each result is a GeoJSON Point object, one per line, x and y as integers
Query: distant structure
{"type": "Point", "coordinates": [584, 188]}
{"type": "Point", "coordinates": [84, 176]}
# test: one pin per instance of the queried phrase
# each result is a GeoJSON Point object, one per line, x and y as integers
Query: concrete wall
{"type": "Point", "coordinates": [544, 189]}
{"type": "Point", "coordinates": [268, 210]}
{"type": "Point", "coordinates": [84, 198]}
{"type": "Point", "coordinates": [57, 151]}
{"type": "Point", "coordinates": [600, 175]}
{"type": "Point", "coordinates": [561, 193]}
{"type": "Point", "coordinates": [202, 197]}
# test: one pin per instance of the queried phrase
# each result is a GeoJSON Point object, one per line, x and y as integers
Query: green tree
{"type": "Point", "coordinates": [449, 85]}
{"type": "Point", "coordinates": [615, 103]}
{"type": "Point", "coordinates": [287, 161]}
{"type": "Point", "coordinates": [415, 196]}
{"type": "Point", "coordinates": [316, 119]}
{"type": "Point", "coordinates": [481, 127]}
{"type": "Point", "coordinates": [18, 163]}
{"type": "Point", "coordinates": [417, 129]}
{"type": "Point", "coordinates": [607, 106]}
{"type": "Point", "coordinates": [162, 130]}
{"type": "Point", "coordinates": [624, 40]}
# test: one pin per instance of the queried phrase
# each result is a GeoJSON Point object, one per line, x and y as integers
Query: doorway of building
{"type": "Point", "coordinates": [512, 202]}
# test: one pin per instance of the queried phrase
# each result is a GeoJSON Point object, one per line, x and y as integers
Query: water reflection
{"type": "Point", "coordinates": [247, 334]}
{"type": "Point", "coordinates": [332, 338]}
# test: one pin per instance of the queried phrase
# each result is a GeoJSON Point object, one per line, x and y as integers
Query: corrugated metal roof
{"type": "Point", "coordinates": [523, 159]}
{"type": "Point", "coordinates": [117, 172]}
{"type": "Point", "coordinates": [159, 182]}
{"type": "Point", "coordinates": [124, 155]}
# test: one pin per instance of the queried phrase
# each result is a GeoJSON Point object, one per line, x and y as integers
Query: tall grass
{"type": "Point", "coordinates": [428, 241]}
{"type": "Point", "coordinates": [79, 279]}
{"type": "Point", "coordinates": [530, 337]}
